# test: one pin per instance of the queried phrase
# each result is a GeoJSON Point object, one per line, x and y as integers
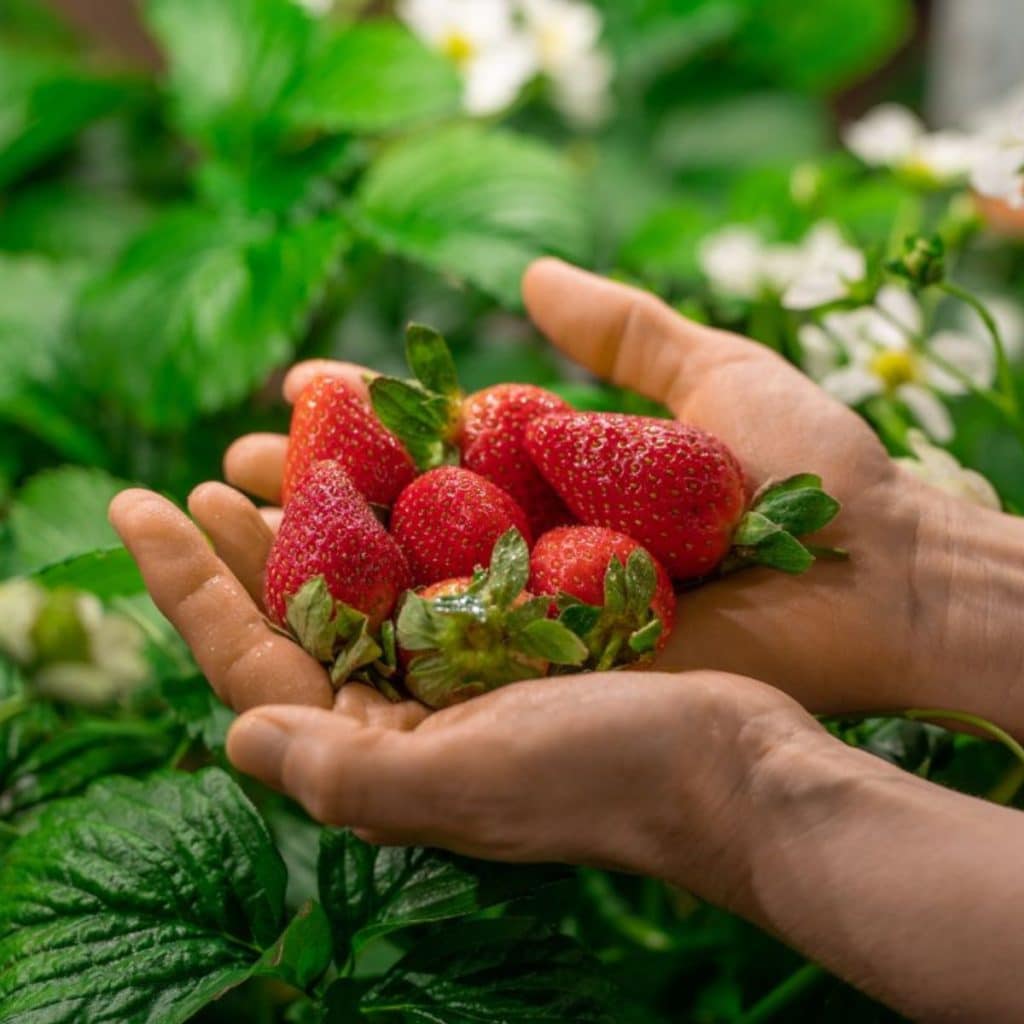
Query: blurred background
{"type": "Point", "coordinates": [195, 193]}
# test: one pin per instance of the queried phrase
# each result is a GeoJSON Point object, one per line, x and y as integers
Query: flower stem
{"type": "Point", "coordinates": [799, 982]}
{"type": "Point", "coordinates": [11, 707]}
{"type": "Point", "coordinates": [965, 718]}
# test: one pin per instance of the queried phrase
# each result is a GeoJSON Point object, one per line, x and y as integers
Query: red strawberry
{"type": "Point", "coordinates": [334, 574]}
{"type": "Point", "coordinates": [677, 490]}
{"type": "Point", "coordinates": [448, 520]}
{"type": "Point", "coordinates": [331, 422]}
{"type": "Point", "coordinates": [493, 422]}
{"type": "Point", "coordinates": [461, 637]}
{"type": "Point", "coordinates": [611, 591]}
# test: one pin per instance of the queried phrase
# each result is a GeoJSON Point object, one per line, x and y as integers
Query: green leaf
{"type": "Point", "coordinates": [475, 204]}
{"type": "Point", "coordinates": [615, 586]}
{"type": "Point", "coordinates": [504, 970]}
{"type": "Point", "coordinates": [430, 360]}
{"type": "Point", "coordinates": [43, 757]}
{"type": "Point", "coordinates": [45, 101]}
{"type": "Point", "coordinates": [61, 514]}
{"type": "Point", "coordinates": [208, 305]}
{"type": "Point", "coordinates": [141, 901]}
{"type": "Point", "coordinates": [369, 891]}
{"type": "Point", "coordinates": [800, 511]}
{"type": "Point", "coordinates": [106, 572]}
{"type": "Point", "coordinates": [194, 704]}
{"type": "Point", "coordinates": [310, 614]}
{"type": "Point", "coordinates": [644, 640]}
{"type": "Point", "coordinates": [753, 529]}
{"type": "Point", "coordinates": [418, 418]}
{"type": "Point", "coordinates": [781, 551]}
{"type": "Point", "coordinates": [552, 641]}
{"type": "Point", "coordinates": [230, 65]}
{"type": "Point", "coordinates": [641, 582]}
{"type": "Point", "coordinates": [372, 77]}
{"type": "Point", "coordinates": [509, 569]}
{"type": "Point", "coordinates": [580, 618]}
{"type": "Point", "coordinates": [303, 952]}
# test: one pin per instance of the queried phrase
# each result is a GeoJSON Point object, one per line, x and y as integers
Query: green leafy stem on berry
{"type": "Point", "coordinates": [337, 634]}
{"type": "Point", "coordinates": [779, 515]}
{"type": "Point", "coordinates": [486, 636]}
{"type": "Point", "coordinates": [625, 629]}
{"type": "Point", "coordinates": [423, 413]}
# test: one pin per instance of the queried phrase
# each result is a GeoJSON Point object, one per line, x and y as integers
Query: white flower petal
{"type": "Point", "coordinates": [939, 468]}
{"type": "Point", "coordinates": [998, 174]}
{"type": "Point", "coordinates": [563, 31]}
{"type": "Point", "coordinates": [581, 88]}
{"type": "Point", "coordinates": [814, 289]}
{"type": "Point", "coordinates": [493, 80]}
{"type": "Point", "coordinates": [820, 352]}
{"type": "Point", "coordinates": [884, 136]}
{"type": "Point", "coordinates": [20, 604]}
{"type": "Point", "coordinates": [927, 410]}
{"type": "Point", "coordinates": [946, 156]}
{"type": "Point", "coordinates": [852, 385]}
{"type": "Point", "coordinates": [901, 307]}
{"type": "Point", "coordinates": [973, 357]}
{"type": "Point", "coordinates": [732, 260]}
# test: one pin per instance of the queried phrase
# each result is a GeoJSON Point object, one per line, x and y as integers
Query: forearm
{"type": "Point", "coordinates": [908, 891]}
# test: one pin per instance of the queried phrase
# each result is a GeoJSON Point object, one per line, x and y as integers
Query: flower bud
{"type": "Point", "coordinates": [923, 261]}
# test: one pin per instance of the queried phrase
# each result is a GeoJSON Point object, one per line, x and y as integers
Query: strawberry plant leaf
{"type": "Point", "coordinates": [615, 587]}
{"type": "Point", "coordinates": [644, 640]}
{"type": "Point", "coordinates": [781, 551]}
{"type": "Point", "coordinates": [303, 952]}
{"type": "Point", "coordinates": [430, 360]}
{"type": "Point", "coordinates": [507, 970]}
{"type": "Point", "coordinates": [143, 901]}
{"type": "Point", "coordinates": [798, 510]}
{"type": "Point", "coordinates": [552, 641]}
{"type": "Point", "coordinates": [369, 891]}
{"type": "Point", "coordinates": [641, 582]}
{"type": "Point", "coordinates": [44, 102]}
{"type": "Point", "coordinates": [509, 570]}
{"type": "Point", "coordinates": [475, 204]}
{"type": "Point", "coordinates": [580, 618]}
{"type": "Point", "coordinates": [61, 514]}
{"type": "Point", "coordinates": [105, 572]}
{"type": "Point", "coordinates": [417, 417]}
{"type": "Point", "coordinates": [208, 305]}
{"type": "Point", "coordinates": [371, 77]}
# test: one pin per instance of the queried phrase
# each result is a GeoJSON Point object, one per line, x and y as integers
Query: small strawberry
{"type": "Point", "coordinates": [462, 637]}
{"type": "Point", "coordinates": [677, 490]}
{"type": "Point", "coordinates": [331, 422]}
{"type": "Point", "coordinates": [448, 520]}
{"type": "Point", "coordinates": [333, 574]}
{"type": "Point", "coordinates": [611, 592]}
{"type": "Point", "coordinates": [493, 423]}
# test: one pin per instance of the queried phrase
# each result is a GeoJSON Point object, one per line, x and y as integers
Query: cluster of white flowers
{"type": "Point", "coordinates": [820, 269]}
{"type": "Point", "coordinates": [500, 45]}
{"type": "Point", "coordinates": [879, 350]}
{"type": "Point", "coordinates": [990, 155]}
{"type": "Point", "coordinates": [110, 664]}
{"type": "Point", "coordinates": [940, 469]}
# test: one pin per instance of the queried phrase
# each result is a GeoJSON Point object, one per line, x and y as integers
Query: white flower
{"type": "Point", "coordinates": [867, 352]}
{"type": "Point", "coordinates": [999, 168]}
{"type": "Point", "coordinates": [733, 260]}
{"type": "Point", "coordinates": [495, 57]}
{"type": "Point", "coordinates": [20, 604]}
{"type": "Point", "coordinates": [565, 35]}
{"type": "Point", "coordinates": [316, 7]}
{"type": "Point", "coordinates": [1009, 318]}
{"type": "Point", "coordinates": [940, 469]}
{"type": "Point", "coordinates": [890, 135]}
{"type": "Point", "coordinates": [826, 268]}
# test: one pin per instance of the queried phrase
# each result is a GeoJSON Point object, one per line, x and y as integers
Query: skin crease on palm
{"type": "Point", "coordinates": [679, 773]}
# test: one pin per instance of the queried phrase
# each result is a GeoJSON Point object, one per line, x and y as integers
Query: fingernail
{"type": "Point", "coordinates": [257, 746]}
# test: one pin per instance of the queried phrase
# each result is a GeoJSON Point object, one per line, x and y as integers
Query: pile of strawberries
{"type": "Point", "coordinates": [440, 545]}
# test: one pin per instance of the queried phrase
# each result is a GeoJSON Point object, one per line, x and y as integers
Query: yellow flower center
{"type": "Point", "coordinates": [458, 47]}
{"type": "Point", "coordinates": [551, 43]}
{"type": "Point", "coordinates": [894, 367]}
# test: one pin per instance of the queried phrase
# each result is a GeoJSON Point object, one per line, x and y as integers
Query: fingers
{"type": "Point", "coordinates": [624, 334]}
{"type": "Point", "coordinates": [366, 705]}
{"type": "Point", "coordinates": [247, 663]}
{"type": "Point", "coordinates": [238, 531]}
{"type": "Point", "coordinates": [255, 464]}
{"type": "Point", "coordinates": [302, 373]}
{"type": "Point", "coordinates": [341, 770]}
{"type": "Point", "coordinates": [272, 517]}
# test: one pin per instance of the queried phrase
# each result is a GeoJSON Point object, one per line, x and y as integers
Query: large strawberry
{"type": "Point", "coordinates": [493, 424]}
{"type": "Point", "coordinates": [333, 574]}
{"type": "Point", "coordinates": [463, 637]}
{"type": "Point", "coordinates": [448, 521]}
{"type": "Point", "coordinates": [484, 430]}
{"type": "Point", "coordinates": [610, 591]}
{"type": "Point", "coordinates": [331, 422]}
{"type": "Point", "coordinates": [676, 489]}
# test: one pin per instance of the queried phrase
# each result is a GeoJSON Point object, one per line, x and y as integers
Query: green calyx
{"type": "Point", "coordinates": [779, 515]}
{"type": "Point", "coordinates": [484, 637]}
{"type": "Point", "coordinates": [336, 633]}
{"type": "Point", "coordinates": [423, 412]}
{"type": "Point", "coordinates": [625, 629]}
{"type": "Point", "coordinates": [922, 262]}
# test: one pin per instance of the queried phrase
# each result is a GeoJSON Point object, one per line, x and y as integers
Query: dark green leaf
{"type": "Point", "coordinates": [430, 360]}
{"type": "Point", "coordinates": [207, 306]}
{"type": "Point", "coordinates": [503, 970]}
{"type": "Point", "coordinates": [105, 572]}
{"type": "Point", "coordinates": [369, 891]}
{"type": "Point", "coordinates": [141, 901]}
{"type": "Point", "coordinates": [781, 551]}
{"type": "Point", "coordinates": [303, 951]}
{"type": "Point", "coordinates": [194, 704]}
{"type": "Point", "coordinates": [552, 641]}
{"type": "Point", "coordinates": [414, 415]}
{"type": "Point", "coordinates": [799, 511]}
{"type": "Point", "coordinates": [580, 618]}
{"type": "Point", "coordinates": [372, 77]}
{"type": "Point", "coordinates": [475, 204]}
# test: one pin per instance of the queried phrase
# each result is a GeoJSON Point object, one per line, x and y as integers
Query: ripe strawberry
{"type": "Point", "coordinates": [611, 591]}
{"type": "Point", "coordinates": [461, 637]}
{"type": "Point", "coordinates": [493, 422]}
{"type": "Point", "coordinates": [677, 490]}
{"type": "Point", "coordinates": [448, 520]}
{"type": "Point", "coordinates": [333, 574]}
{"type": "Point", "coordinates": [331, 422]}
